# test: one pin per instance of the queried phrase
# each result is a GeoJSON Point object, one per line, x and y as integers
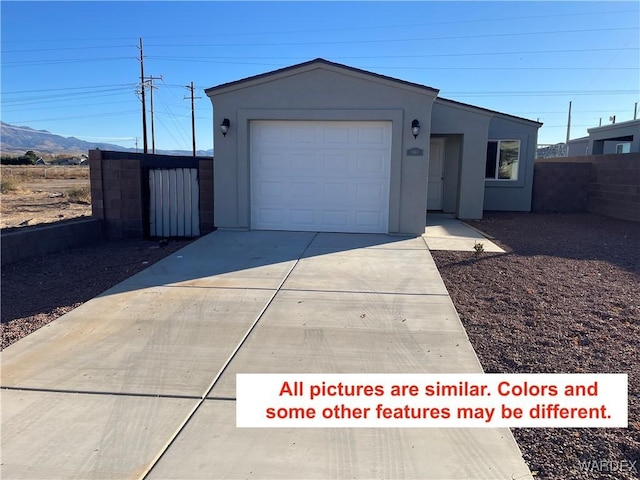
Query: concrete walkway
{"type": "Point", "coordinates": [140, 381]}
{"type": "Point", "coordinates": [444, 232]}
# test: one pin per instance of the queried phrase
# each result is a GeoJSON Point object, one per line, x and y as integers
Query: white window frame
{"type": "Point", "coordinates": [620, 147]}
{"type": "Point", "coordinates": [495, 177]}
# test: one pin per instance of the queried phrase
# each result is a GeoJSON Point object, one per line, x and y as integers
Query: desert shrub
{"type": "Point", "coordinates": [8, 185]}
{"type": "Point", "coordinates": [79, 194]}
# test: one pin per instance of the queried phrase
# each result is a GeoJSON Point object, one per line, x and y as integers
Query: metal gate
{"type": "Point", "coordinates": [174, 202]}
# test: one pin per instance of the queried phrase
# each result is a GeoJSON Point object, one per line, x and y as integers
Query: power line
{"type": "Point", "coordinates": [110, 114]}
{"type": "Point", "coordinates": [427, 55]}
{"type": "Point", "coordinates": [129, 85]}
{"type": "Point", "coordinates": [37, 63]}
{"type": "Point", "coordinates": [413, 67]}
{"type": "Point", "coordinates": [398, 40]}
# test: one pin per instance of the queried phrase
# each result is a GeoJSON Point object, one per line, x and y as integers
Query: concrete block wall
{"type": "Point", "coordinates": [561, 187]}
{"type": "Point", "coordinates": [615, 189]}
{"type": "Point", "coordinates": [119, 190]}
{"type": "Point", "coordinates": [604, 184]}
{"type": "Point", "coordinates": [27, 242]}
{"type": "Point", "coordinates": [205, 180]}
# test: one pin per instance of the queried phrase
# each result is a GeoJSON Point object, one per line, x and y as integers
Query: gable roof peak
{"type": "Point", "coordinates": [319, 62]}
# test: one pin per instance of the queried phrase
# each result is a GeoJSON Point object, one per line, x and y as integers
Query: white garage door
{"type": "Point", "coordinates": [320, 175]}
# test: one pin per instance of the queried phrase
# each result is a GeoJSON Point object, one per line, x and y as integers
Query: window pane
{"type": "Point", "coordinates": [492, 153]}
{"type": "Point", "coordinates": [509, 152]}
{"type": "Point", "coordinates": [623, 147]}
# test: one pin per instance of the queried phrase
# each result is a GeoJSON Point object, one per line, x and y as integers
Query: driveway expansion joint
{"type": "Point", "coordinates": [235, 351]}
{"type": "Point", "coordinates": [101, 393]}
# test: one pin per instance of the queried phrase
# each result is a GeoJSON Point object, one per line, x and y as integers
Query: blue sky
{"type": "Point", "coordinates": [72, 67]}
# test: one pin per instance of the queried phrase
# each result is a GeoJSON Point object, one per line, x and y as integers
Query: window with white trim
{"type": "Point", "coordinates": [623, 147]}
{"type": "Point", "coordinates": [503, 158]}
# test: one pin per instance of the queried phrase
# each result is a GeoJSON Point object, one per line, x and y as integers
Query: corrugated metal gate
{"type": "Point", "coordinates": [174, 202]}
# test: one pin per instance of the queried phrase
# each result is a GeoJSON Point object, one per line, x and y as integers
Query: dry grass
{"type": "Point", "coordinates": [79, 195]}
{"type": "Point", "coordinates": [8, 185]}
{"type": "Point", "coordinates": [38, 172]}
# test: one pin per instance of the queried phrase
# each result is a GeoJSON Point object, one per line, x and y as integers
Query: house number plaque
{"type": "Point", "coordinates": [415, 152]}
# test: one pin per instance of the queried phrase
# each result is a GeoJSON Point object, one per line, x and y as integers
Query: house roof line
{"type": "Point", "coordinates": [319, 61]}
{"type": "Point", "coordinates": [495, 112]}
{"type": "Point", "coordinates": [322, 61]}
{"type": "Point", "coordinates": [614, 126]}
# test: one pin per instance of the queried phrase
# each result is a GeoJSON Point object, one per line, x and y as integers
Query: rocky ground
{"type": "Point", "coordinates": [565, 298]}
{"type": "Point", "coordinates": [37, 291]}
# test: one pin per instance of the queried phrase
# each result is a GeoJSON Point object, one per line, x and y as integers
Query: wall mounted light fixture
{"type": "Point", "coordinates": [415, 128]}
{"type": "Point", "coordinates": [224, 127]}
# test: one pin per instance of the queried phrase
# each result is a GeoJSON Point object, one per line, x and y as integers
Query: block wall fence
{"type": "Point", "coordinates": [603, 184]}
{"type": "Point", "coordinates": [120, 190]}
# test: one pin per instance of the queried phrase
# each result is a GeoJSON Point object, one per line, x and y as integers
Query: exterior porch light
{"type": "Point", "coordinates": [224, 127]}
{"type": "Point", "coordinates": [415, 128]}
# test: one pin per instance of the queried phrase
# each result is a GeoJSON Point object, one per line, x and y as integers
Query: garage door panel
{"type": "Point", "coordinates": [335, 191]}
{"type": "Point", "coordinates": [331, 176]}
{"type": "Point", "coordinates": [336, 164]}
{"type": "Point", "coordinates": [369, 193]}
{"type": "Point", "coordinates": [303, 134]}
{"type": "Point", "coordinates": [301, 163]}
{"type": "Point", "coordinates": [337, 134]}
{"type": "Point", "coordinates": [366, 220]}
{"type": "Point", "coordinates": [271, 134]}
{"type": "Point", "coordinates": [371, 163]}
{"type": "Point", "coordinates": [268, 161]}
{"type": "Point", "coordinates": [270, 191]}
{"type": "Point", "coordinates": [270, 216]}
{"type": "Point", "coordinates": [336, 218]}
{"type": "Point", "coordinates": [372, 135]}
{"type": "Point", "coordinates": [302, 189]}
{"type": "Point", "coordinates": [303, 217]}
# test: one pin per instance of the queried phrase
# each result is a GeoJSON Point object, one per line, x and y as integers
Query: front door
{"type": "Point", "coordinates": [436, 174]}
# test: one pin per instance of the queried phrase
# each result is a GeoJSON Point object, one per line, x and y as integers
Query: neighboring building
{"type": "Point", "coordinates": [321, 146]}
{"type": "Point", "coordinates": [552, 151]}
{"type": "Point", "coordinates": [578, 147]}
{"type": "Point", "coordinates": [622, 137]}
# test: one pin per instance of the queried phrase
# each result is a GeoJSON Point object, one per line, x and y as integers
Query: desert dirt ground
{"type": "Point", "coordinates": [33, 199]}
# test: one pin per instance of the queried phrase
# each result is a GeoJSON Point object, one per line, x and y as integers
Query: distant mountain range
{"type": "Point", "coordinates": [18, 139]}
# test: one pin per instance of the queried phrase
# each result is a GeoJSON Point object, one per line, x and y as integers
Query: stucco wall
{"type": "Point", "coordinates": [464, 156]}
{"type": "Point", "coordinates": [321, 93]}
{"type": "Point", "coordinates": [512, 195]}
{"type": "Point", "coordinates": [598, 137]}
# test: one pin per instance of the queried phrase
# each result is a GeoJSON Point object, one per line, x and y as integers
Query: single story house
{"type": "Point", "coordinates": [321, 146]}
{"type": "Point", "coordinates": [622, 137]}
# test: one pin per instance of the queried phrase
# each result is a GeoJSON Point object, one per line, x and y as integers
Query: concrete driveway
{"type": "Point", "coordinates": [140, 381]}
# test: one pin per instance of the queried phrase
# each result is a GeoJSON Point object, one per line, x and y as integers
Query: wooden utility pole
{"type": "Point", "coordinates": [153, 129]}
{"type": "Point", "coordinates": [569, 124]}
{"type": "Point", "coordinates": [193, 117]}
{"type": "Point", "coordinates": [145, 147]}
